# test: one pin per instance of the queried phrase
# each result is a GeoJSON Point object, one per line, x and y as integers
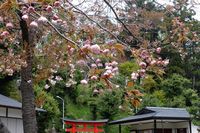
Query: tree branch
{"type": "Point", "coordinates": [100, 26]}
{"type": "Point", "coordinates": [66, 38]}
{"type": "Point", "coordinates": [118, 19]}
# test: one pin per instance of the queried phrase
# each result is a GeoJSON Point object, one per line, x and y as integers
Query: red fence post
{"type": "Point", "coordinates": [95, 128]}
{"type": "Point", "coordinates": [73, 128]}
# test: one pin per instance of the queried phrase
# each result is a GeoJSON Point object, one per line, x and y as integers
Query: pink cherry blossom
{"type": "Point", "coordinates": [42, 19]}
{"type": "Point", "coordinates": [107, 64]}
{"type": "Point", "coordinates": [94, 77]}
{"type": "Point", "coordinates": [55, 17]}
{"type": "Point", "coordinates": [84, 82]}
{"type": "Point", "coordinates": [24, 9]}
{"type": "Point", "coordinates": [93, 65]}
{"type": "Point", "coordinates": [99, 64]}
{"type": "Point", "coordinates": [107, 73]}
{"type": "Point", "coordinates": [1, 19]}
{"type": "Point", "coordinates": [95, 49]}
{"type": "Point", "coordinates": [49, 9]}
{"type": "Point", "coordinates": [31, 9]}
{"type": "Point", "coordinates": [98, 61]}
{"type": "Point", "coordinates": [86, 46]}
{"type": "Point", "coordinates": [143, 65]}
{"type": "Point", "coordinates": [109, 68]}
{"type": "Point", "coordinates": [159, 62]}
{"type": "Point", "coordinates": [58, 78]}
{"type": "Point", "coordinates": [46, 86]}
{"type": "Point", "coordinates": [81, 63]}
{"type": "Point", "coordinates": [144, 54]}
{"type": "Point", "coordinates": [142, 72]}
{"type": "Point", "coordinates": [4, 33]}
{"type": "Point", "coordinates": [59, 21]}
{"type": "Point", "coordinates": [134, 76]}
{"type": "Point", "coordinates": [158, 50]}
{"type": "Point", "coordinates": [9, 71]}
{"type": "Point", "coordinates": [114, 63]}
{"type": "Point", "coordinates": [106, 51]}
{"type": "Point", "coordinates": [56, 3]}
{"type": "Point", "coordinates": [95, 91]}
{"type": "Point", "coordinates": [9, 25]}
{"type": "Point", "coordinates": [53, 82]}
{"type": "Point", "coordinates": [25, 17]}
{"type": "Point", "coordinates": [115, 70]}
{"type": "Point", "coordinates": [87, 42]}
{"type": "Point", "coordinates": [166, 62]}
{"type": "Point", "coordinates": [148, 60]}
{"type": "Point", "coordinates": [153, 62]}
{"type": "Point", "coordinates": [34, 24]}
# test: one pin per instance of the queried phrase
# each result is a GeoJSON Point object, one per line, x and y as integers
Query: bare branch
{"type": "Point", "coordinates": [100, 26]}
{"type": "Point", "coordinates": [164, 7]}
{"type": "Point", "coordinates": [118, 19]}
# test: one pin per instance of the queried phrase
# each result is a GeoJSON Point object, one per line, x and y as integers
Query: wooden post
{"type": "Point", "coordinates": [120, 128]}
{"type": "Point", "coordinates": [154, 129]}
{"type": "Point", "coordinates": [190, 126]}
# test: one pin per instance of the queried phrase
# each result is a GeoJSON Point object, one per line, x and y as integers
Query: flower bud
{"type": "Point", "coordinates": [4, 33]}
{"type": "Point", "coordinates": [25, 17]}
{"type": "Point", "coordinates": [95, 49]}
{"type": "Point", "coordinates": [56, 3]}
{"type": "Point", "coordinates": [31, 9]}
{"type": "Point", "coordinates": [9, 25]}
{"type": "Point", "coordinates": [42, 19]}
{"type": "Point", "coordinates": [158, 50]}
{"type": "Point", "coordinates": [84, 81]}
{"type": "Point", "coordinates": [143, 65]}
{"type": "Point", "coordinates": [49, 9]}
{"type": "Point", "coordinates": [34, 24]}
{"type": "Point", "coordinates": [94, 78]}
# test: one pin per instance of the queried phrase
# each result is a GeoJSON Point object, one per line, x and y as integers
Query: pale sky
{"type": "Point", "coordinates": [196, 7]}
{"type": "Point", "coordinates": [196, 4]}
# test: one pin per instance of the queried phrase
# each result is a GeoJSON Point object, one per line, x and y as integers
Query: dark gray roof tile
{"type": "Point", "coordinates": [156, 113]}
{"type": "Point", "coordinates": [8, 102]}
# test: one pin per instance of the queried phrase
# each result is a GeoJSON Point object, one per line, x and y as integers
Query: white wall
{"type": "Point", "coordinates": [194, 129]}
{"type": "Point", "coordinates": [2, 111]}
{"type": "Point", "coordinates": [16, 113]}
{"type": "Point", "coordinates": [12, 119]}
{"type": "Point", "coordinates": [174, 126]}
{"type": "Point", "coordinates": [14, 125]}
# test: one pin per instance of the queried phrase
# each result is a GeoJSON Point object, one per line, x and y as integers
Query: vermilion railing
{"type": "Point", "coordinates": [85, 126]}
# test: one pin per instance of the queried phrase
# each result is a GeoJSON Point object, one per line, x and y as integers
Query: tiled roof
{"type": "Point", "coordinates": [149, 113]}
{"type": "Point", "coordinates": [8, 102]}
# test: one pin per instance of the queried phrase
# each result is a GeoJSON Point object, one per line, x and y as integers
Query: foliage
{"type": "Point", "coordinates": [47, 102]}
{"type": "Point", "coordinates": [98, 63]}
{"type": "Point", "coordinates": [175, 84]}
{"type": "Point", "coordinates": [128, 67]}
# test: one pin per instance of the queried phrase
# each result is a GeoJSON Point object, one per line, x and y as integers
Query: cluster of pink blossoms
{"type": "Point", "coordinates": [110, 70]}
{"type": "Point", "coordinates": [147, 61]}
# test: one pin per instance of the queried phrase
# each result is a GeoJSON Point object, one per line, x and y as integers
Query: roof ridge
{"type": "Point", "coordinates": [148, 107]}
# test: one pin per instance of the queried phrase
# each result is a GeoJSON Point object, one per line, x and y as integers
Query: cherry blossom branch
{"type": "Point", "coordinates": [66, 38]}
{"type": "Point", "coordinates": [99, 25]}
{"type": "Point", "coordinates": [118, 19]}
{"type": "Point", "coordinates": [164, 7]}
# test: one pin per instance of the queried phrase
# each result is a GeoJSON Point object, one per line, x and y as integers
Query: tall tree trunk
{"type": "Point", "coordinates": [26, 86]}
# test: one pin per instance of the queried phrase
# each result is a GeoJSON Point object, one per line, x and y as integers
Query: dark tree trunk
{"type": "Point", "coordinates": [26, 86]}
